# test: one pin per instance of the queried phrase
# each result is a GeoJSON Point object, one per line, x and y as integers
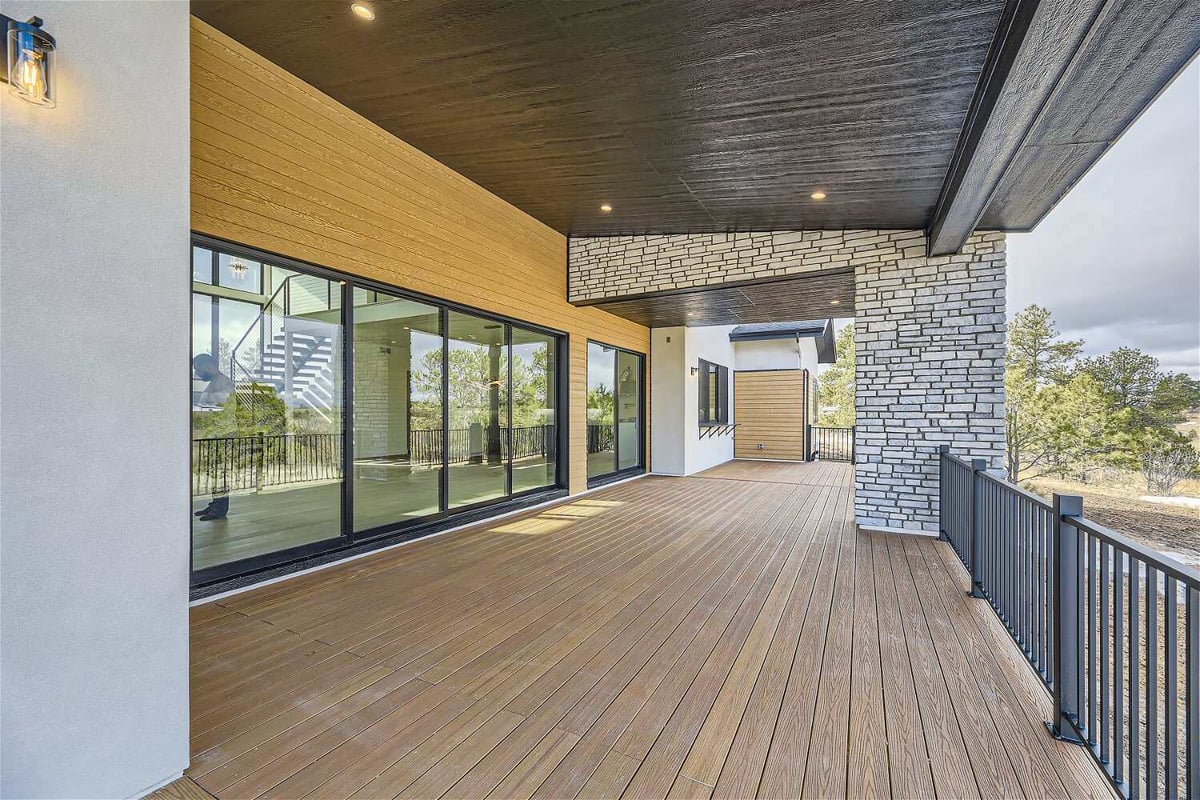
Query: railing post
{"type": "Point", "coordinates": [975, 525]}
{"type": "Point", "coordinates": [1065, 613]}
{"type": "Point", "coordinates": [943, 492]}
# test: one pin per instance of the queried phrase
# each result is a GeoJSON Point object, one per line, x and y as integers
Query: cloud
{"type": "Point", "coordinates": [1118, 261]}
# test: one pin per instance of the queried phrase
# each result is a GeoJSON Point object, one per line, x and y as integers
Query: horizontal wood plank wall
{"type": "Point", "coordinates": [769, 408]}
{"type": "Point", "coordinates": [279, 166]}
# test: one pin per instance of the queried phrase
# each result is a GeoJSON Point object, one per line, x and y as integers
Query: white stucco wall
{"type": "Point", "coordinates": [777, 354]}
{"type": "Point", "coordinates": [94, 320]}
{"type": "Point", "coordinates": [668, 416]}
{"type": "Point", "coordinates": [676, 446]}
{"type": "Point", "coordinates": [767, 354]}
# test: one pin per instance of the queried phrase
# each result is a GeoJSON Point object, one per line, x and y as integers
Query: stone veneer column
{"type": "Point", "coordinates": [930, 342]}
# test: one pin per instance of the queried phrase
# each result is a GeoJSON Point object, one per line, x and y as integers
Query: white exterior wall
{"type": "Point", "coordinates": [777, 354]}
{"type": "Point", "coordinates": [768, 354]}
{"type": "Point", "coordinates": [94, 321]}
{"type": "Point", "coordinates": [668, 414]}
{"type": "Point", "coordinates": [675, 444]}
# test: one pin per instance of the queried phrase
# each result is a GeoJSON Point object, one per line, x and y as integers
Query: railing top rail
{"type": "Point", "coordinates": [958, 460]}
{"type": "Point", "coordinates": [1017, 490]}
{"type": "Point", "coordinates": [1160, 561]}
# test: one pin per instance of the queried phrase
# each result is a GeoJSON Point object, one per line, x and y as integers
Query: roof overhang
{"type": "Point", "coordinates": [946, 116]}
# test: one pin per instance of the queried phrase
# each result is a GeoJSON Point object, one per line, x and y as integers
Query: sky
{"type": "Point", "coordinates": [1117, 262]}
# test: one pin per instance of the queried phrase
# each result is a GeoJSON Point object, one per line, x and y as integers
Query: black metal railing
{"type": "Point", "coordinates": [831, 444]}
{"type": "Point", "coordinates": [1111, 626]}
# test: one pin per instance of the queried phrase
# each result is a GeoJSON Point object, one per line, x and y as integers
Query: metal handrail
{"type": "Point", "coordinates": [1111, 626]}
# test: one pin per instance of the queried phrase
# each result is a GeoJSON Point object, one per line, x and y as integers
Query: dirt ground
{"type": "Point", "coordinates": [1113, 502]}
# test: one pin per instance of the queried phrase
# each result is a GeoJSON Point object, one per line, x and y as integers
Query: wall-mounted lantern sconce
{"type": "Point", "coordinates": [29, 61]}
{"type": "Point", "coordinates": [694, 370]}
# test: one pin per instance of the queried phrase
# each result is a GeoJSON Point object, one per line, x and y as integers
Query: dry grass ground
{"type": "Point", "coordinates": [1113, 500]}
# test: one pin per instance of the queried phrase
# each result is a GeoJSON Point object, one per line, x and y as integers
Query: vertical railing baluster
{"type": "Point", "coordinates": [1135, 678]}
{"type": "Point", "coordinates": [1192, 687]}
{"type": "Point", "coordinates": [1118, 651]}
{"type": "Point", "coordinates": [1091, 636]}
{"type": "Point", "coordinates": [1171, 679]}
{"type": "Point", "coordinates": [1151, 682]}
{"type": "Point", "coordinates": [1105, 657]}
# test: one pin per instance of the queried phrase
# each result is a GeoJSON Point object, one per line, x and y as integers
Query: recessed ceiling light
{"type": "Point", "coordinates": [818, 195]}
{"type": "Point", "coordinates": [362, 10]}
{"type": "Point", "coordinates": [605, 207]}
{"type": "Point", "coordinates": [835, 302]}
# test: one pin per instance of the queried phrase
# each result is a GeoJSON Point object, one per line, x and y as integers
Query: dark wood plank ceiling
{"type": "Point", "coordinates": [814, 296]}
{"type": "Point", "coordinates": [685, 116]}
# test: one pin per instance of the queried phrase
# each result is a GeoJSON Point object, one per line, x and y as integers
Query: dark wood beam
{"type": "Point", "coordinates": [1034, 45]}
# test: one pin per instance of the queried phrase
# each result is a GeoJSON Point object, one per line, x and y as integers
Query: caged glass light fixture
{"type": "Point", "coordinates": [30, 61]}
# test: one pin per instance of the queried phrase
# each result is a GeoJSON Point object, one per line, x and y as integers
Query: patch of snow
{"type": "Point", "coordinates": [1185, 501]}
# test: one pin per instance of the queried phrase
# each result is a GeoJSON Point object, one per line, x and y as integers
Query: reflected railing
{"type": "Point", "coordinates": [262, 460]}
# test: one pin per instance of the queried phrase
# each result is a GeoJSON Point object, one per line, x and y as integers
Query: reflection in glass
{"type": "Point", "coordinates": [533, 410]}
{"type": "Point", "coordinates": [601, 439]}
{"type": "Point", "coordinates": [266, 425]}
{"type": "Point", "coordinates": [629, 410]}
{"type": "Point", "coordinates": [478, 409]}
{"type": "Point", "coordinates": [397, 409]}
{"type": "Point", "coordinates": [202, 265]}
{"type": "Point", "coordinates": [236, 272]}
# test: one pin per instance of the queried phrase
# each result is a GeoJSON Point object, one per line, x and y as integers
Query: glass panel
{"type": "Point", "coordinates": [397, 409]}
{"type": "Point", "coordinates": [277, 277]}
{"type": "Point", "coordinates": [534, 433]}
{"type": "Point", "coordinates": [601, 443]}
{"type": "Point", "coordinates": [478, 409]}
{"type": "Point", "coordinates": [203, 311]}
{"type": "Point", "coordinates": [201, 265]}
{"type": "Point", "coordinates": [235, 272]}
{"type": "Point", "coordinates": [266, 431]}
{"type": "Point", "coordinates": [629, 410]}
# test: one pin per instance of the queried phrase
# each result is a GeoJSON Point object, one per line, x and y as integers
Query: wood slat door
{"type": "Point", "coordinates": [769, 411]}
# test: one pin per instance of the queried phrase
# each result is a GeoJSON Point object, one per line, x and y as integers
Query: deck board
{"type": "Point", "coordinates": [726, 635]}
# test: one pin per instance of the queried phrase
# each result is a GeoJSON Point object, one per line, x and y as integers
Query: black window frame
{"type": "Point", "coordinates": [706, 369]}
{"type": "Point", "coordinates": [348, 539]}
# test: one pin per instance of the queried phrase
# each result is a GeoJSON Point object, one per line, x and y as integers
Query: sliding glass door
{"type": "Point", "coordinates": [534, 433]}
{"type": "Point", "coordinates": [397, 409]}
{"type": "Point", "coordinates": [477, 391]}
{"type": "Point", "coordinates": [266, 412]}
{"type": "Point", "coordinates": [614, 410]}
{"type": "Point", "coordinates": [301, 376]}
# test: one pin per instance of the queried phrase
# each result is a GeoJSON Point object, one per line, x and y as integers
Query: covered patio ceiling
{"type": "Point", "coordinates": [714, 116]}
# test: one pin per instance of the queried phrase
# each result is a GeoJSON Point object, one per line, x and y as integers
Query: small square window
{"type": "Point", "coordinates": [713, 393]}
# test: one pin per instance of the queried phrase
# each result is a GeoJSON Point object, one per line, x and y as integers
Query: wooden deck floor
{"type": "Point", "coordinates": [726, 635]}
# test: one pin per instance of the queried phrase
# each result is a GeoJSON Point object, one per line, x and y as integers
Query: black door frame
{"type": "Point", "coordinates": [617, 473]}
